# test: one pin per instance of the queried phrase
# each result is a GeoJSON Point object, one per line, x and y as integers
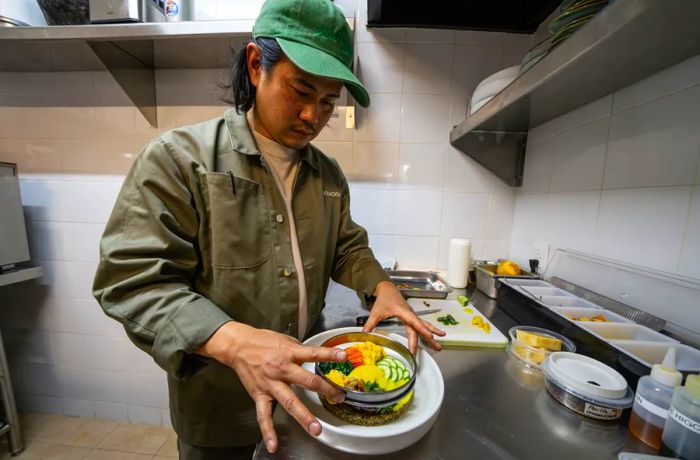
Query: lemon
{"type": "Point", "coordinates": [508, 268]}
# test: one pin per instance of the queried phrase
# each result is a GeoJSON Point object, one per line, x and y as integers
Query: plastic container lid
{"type": "Point", "coordinates": [588, 379]}
{"type": "Point", "coordinates": [666, 372]}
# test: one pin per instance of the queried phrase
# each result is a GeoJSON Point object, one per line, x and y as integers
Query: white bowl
{"type": "Point", "coordinates": [429, 391]}
{"type": "Point", "coordinates": [493, 85]}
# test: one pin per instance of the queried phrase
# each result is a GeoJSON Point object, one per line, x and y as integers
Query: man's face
{"type": "Point", "coordinates": [291, 106]}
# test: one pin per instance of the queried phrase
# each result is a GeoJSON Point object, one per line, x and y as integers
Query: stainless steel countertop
{"type": "Point", "coordinates": [492, 409]}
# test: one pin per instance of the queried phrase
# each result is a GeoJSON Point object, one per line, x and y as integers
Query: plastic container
{"type": "Point", "coordinates": [626, 331]}
{"type": "Point", "coordinates": [653, 399]}
{"type": "Point", "coordinates": [577, 312]}
{"type": "Point", "coordinates": [459, 258]}
{"type": "Point", "coordinates": [538, 292]}
{"type": "Point", "coordinates": [681, 436]}
{"type": "Point", "coordinates": [532, 357]}
{"type": "Point", "coordinates": [650, 353]}
{"type": "Point", "coordinates": [586, 386]}
{"type": "Point", "coordinates": [566, 301]}
{"type": "Point", "coordinates": [530, 283]}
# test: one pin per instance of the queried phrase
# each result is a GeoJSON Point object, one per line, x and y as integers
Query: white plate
{"type": "Point", "coordinates": [399, 434]}
{"type": "Point", "coordinates": [494, 84]}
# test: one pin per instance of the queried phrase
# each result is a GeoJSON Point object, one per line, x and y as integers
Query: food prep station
{"type": "Point", "coordinates": [492, 408]}
{"type": "Point", "coordinates": [496, 407]}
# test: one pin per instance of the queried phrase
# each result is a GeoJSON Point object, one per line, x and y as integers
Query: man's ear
{"type": "Point", "coordinates": [254, 63]}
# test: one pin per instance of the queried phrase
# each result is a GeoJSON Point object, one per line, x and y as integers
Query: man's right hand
{"type": "Point", "coordinates": [268, 363]}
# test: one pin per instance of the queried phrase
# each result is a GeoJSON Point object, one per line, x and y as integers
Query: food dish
{"type": "Point", "coordinates": [374, 440]}
{"type": "Point", "coordinates": [530, 345]}
{"type": "Point", "coordinates": [377, 379]}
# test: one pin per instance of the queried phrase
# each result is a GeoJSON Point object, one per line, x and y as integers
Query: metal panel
{"type": "Point", "coordinates": [13, 232]}
{"type": "Point", "coordinates": [502, 153]}
{"type": "Point", "coordinates": [131, 65]}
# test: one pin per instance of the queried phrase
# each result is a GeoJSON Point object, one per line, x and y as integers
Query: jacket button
{"type": "Point", "coordinates": [279, 218]}
{"type": "Point", "coordinates": [287, 272]}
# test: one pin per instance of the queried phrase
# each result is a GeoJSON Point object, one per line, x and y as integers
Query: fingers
{"type": "Point", "coordinates": [424, 329]}
{"type": "Point", "coordinates": [294, 407]}
{"type": "Point", "coordinates": [434, 329]}
{"type": "Point", "coordinates": [318, 354]}
{"type": "Point", "coordinates": [313, 382]}
{"type": "Point", "coordinates": [372, 321]}
{"type": "Point", "coordinates": [412, 336]}
{"type": "Point", "coordinates": [263, 410]}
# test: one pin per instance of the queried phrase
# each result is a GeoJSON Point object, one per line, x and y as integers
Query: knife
{"type": "Point", "coordinates": [361, 320]}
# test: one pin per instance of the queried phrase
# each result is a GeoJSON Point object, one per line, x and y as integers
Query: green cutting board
{"type": "Point", "coordinates": [464, 334]}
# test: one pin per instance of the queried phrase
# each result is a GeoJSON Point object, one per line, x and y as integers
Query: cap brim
{"type": "Point", "coordinates": [317, 62]}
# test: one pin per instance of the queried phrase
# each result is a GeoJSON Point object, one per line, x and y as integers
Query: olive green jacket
{"type": "Point", "coordinates": [198, 237]}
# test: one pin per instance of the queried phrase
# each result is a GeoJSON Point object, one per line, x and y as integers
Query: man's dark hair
{"type": "Point", "coordinates": [241, 92]}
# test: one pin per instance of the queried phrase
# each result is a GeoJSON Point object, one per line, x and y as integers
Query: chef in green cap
{"type": "Point", "coordinates": [223, 239]}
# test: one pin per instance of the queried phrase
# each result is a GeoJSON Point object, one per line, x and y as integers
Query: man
{"type": "Point", "coordinates": [219, 250]}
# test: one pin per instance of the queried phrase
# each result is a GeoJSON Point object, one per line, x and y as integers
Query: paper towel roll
{"type": "Point", "coordinates": [458, 261]}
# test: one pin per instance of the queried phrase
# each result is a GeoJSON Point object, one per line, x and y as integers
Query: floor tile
{"type": "Point", "coordinates": [32, 424]}
{"type": "Point", "coordinates": [143, 439]}
{"type": "Point", "coordinates": [37, 450]}
{"type": "Point", "coordinates": [77, 431]}
{"type": "Point", "coordinates": [169, 449]}
{"type": "Point", "coordinates": [99, 454]}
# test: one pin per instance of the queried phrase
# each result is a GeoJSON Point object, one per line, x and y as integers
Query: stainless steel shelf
{"type": "Point", "coordinates": [130, 52]}
{"type": "Point", "coordinates": [20, 274]}
{"type": "Point", "coordinates": [135, 31]}
{"type": "Point", "coordinates": [626, 42]}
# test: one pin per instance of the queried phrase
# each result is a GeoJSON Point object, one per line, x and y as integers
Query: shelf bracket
{"type": "Point", "coordinates": [501, 152]}
{"type": "Point", "coordinates": [131, 63]}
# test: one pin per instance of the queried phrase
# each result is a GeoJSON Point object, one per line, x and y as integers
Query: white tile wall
{"type": "Point", "coordinates": [619, 177]}
{"type": "Point", "coordinates": [660, 138]}
{"type": "Point", "coordinates": [74, 136]}
{"type": "Point", "coordinates": [644, 226]}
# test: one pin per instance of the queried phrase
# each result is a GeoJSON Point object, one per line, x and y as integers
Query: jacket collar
{"type": "Point", "coordinates": [242, 139]}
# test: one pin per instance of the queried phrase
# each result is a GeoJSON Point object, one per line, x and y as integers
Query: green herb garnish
{"type": "Point", "coordinates": [448, 320]}
{"type": "Point", "coordinates": [372, 387]}
{"type": "Point", "coordinates": [345, 368]}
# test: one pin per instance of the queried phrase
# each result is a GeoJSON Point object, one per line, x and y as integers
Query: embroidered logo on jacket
{"type": "Point", "coordinates": [332, 194]}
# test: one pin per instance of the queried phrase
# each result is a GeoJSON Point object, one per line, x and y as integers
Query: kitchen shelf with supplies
{"type": "Point", "coordinates": [130, 52]}
{"type": "Point", "coordinates": [626, 42]}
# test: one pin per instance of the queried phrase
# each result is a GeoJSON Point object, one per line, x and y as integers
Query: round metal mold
{"type": "Point", "coordinates": [373, 399]}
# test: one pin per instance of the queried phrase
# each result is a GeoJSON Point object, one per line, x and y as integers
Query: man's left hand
{"type": "Point", "coordinates": [390, 303]}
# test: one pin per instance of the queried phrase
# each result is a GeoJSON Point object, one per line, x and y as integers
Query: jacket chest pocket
{"type": "Point", "coordinates": [239, 221]}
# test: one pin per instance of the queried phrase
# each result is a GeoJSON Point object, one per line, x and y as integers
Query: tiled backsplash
{"type": "Point", "coordinates": [76, 134]}
{"type": "Point", "coordinates": [619, 177]}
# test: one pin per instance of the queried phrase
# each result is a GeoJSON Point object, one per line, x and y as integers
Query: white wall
{"type": "Point", "coordinates": [619, 177]}
{"type": "Point", "coordinates": [74, 136]}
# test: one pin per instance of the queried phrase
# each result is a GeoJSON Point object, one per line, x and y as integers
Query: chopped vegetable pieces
{"type": "Point", "coordinates": [596, 319]}
{"type": "Point", "coordinates": [354, 356]}
{"type": "Point", "coordinates": [479, 322]}
{"type": "Point", "coordinates": [463, 300]}
{"type": "Point", "coordinates": [448, 320]}
{"type": "Point", "coordinates": [344, 368]}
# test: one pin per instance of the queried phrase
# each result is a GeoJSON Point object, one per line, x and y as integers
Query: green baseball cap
{"type": "Point", "coordinates": [315, 36]}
